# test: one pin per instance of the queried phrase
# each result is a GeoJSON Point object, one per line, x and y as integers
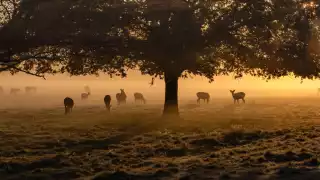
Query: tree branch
{"type": "Point", "coordinates": [30, 73]}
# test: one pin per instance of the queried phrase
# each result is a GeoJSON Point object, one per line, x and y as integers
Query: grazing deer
{"type": "Point", "coordinates": [139, 97]}
{"type": "Point", "coordinates": [203, 95]}
{"type": "Point", "coordinates": [30, 89]}
{"type": "Point", "coordinates": [68, 105]}
{"type": "Point", "coordinates": [85, 95]}
{"type": "Point", "coordinates": [107, 102]}
{"type": "Point", "coordinates": [237, 96]}
{"type": "Point", "coordinates": [14, 91]}
{"type": "Point", "coordinates": [121, 97]}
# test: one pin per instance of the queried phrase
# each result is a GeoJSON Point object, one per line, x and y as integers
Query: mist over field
{"type": "Point", "coordinates": [274, 135]}
{"type": "Point", "coordinates": [52, 91]}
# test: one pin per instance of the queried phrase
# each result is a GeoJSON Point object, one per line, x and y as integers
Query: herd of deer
{"type": "Point", "coordinates": [236, 96]}
{"type": "Point", "coordinates": [122, 98]}
{"type": "Point", "coordinates": [14, 91]}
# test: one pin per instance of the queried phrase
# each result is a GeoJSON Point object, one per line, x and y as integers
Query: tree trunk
{"type": "Point", "coordinates": [171, 96]}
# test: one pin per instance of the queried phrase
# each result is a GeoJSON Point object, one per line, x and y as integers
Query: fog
{"type": "Point", "coordinates": [54, 89]}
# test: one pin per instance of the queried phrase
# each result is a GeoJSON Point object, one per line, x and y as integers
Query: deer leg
{"type": "Point", "coordinates": [243, 100]}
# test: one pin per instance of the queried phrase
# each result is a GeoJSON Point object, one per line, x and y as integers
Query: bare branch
{"type": "Point", "coordinates": [28, 72]}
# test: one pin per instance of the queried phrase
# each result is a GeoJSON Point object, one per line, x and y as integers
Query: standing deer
{"type": "Point", "coordinates": [203, 95]}
{"type": "Point", "coordinates": [85, 95]}
{"type": "Point", "coordinates": [237, 96]}
{"type": "Point", "coordinates": [121, 97]}
{"type": "Point", "coordinates": [30, 89]}
{"type": "Point", "coordinates": [139, 97]}
{"type": "Point", "coordinates": [107, 102]}
{"type": "Point", "coordinates": [14, 91]}
{"type": "Point", "coordinates": [68, 105]}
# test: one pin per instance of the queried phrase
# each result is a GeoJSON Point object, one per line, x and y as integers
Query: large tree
{"type": "Point", "coordinates": [167, 39]}
{"type": "Point", "coordinates": [8, 9]}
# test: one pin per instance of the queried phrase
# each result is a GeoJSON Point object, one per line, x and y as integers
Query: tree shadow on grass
{"type": "Point", "coordinates": [86, 145]}
{"type": "Point", "coordinates": [55, 168]}
{"type": "Point", "coordinates": [46, 168]}
{"type": "Point", "coordinates": [125, 133]}
{"type": "Point", "coordinates": [232, 139]}
{"type": "Point", "coordinates": [283, 173]}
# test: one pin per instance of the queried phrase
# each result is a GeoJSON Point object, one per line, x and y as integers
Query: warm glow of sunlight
{"type": "Point", "coordinates": [253, 86]}
{"type": "Point", "coordinates": [309, 5]}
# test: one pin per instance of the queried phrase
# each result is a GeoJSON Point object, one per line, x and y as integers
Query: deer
{"type": "Point", "coordinates": [121, 97]}
{"type": "Point", "coordinates": [139, 97]}
{"type": "Point", "coordinates": [203, 95]}
{"type": "Point", "coordinates": [85, 95]}
{"type": "Point", "coordinates": [107, 102]}
{"type": "Point", "coordinates": [30, 89]}
{"type": "Point", "coordinates": [237, 96]}
{"type": "Point", "coordinates": [68, 105]}
{"type": "Point", "coordinates": [14, 91]}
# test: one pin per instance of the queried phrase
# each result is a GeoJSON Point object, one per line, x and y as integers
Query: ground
{"type": "Point", "coordinates": [263, 139]}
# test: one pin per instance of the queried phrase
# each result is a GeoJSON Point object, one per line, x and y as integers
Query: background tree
{"type": "Point", "coordinates": [168, 39]}
{"type": "Point", "coordinates": [8, 10]}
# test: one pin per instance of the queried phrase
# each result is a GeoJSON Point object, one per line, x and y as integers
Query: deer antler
{"type": "Point", "coordinates": [152, 82]}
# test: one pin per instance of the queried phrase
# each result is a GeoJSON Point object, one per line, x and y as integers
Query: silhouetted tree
{"type": "Point", "coordinates": [167, 39]}
{"type": "Point", "coordinates": [8, 9]}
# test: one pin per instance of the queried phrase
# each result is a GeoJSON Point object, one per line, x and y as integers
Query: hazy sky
{"type": "Point", "coordinates": [287, 86]}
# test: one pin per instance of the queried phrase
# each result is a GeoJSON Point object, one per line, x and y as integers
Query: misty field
{"type": "Point", "coordinates": [263, 139]}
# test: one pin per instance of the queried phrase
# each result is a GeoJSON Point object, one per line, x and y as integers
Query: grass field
{"type": "Point", "coordinates": [263, 139]}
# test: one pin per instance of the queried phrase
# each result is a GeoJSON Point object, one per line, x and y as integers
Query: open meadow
{"type": "Point", "coordinates": [266, 138]}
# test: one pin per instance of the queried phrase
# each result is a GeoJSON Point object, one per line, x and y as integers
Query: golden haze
{"type": "Point", "coordinates": [253, 86]}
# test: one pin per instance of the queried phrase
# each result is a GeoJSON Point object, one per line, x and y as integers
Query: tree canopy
{"type": "Point", "coordinates": [167, 39]}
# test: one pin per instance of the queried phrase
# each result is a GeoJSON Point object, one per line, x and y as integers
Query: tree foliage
{"type": "Point", "coordinates": [201, 37]}
{"type": "Point", "coordinates": [264, 38]}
